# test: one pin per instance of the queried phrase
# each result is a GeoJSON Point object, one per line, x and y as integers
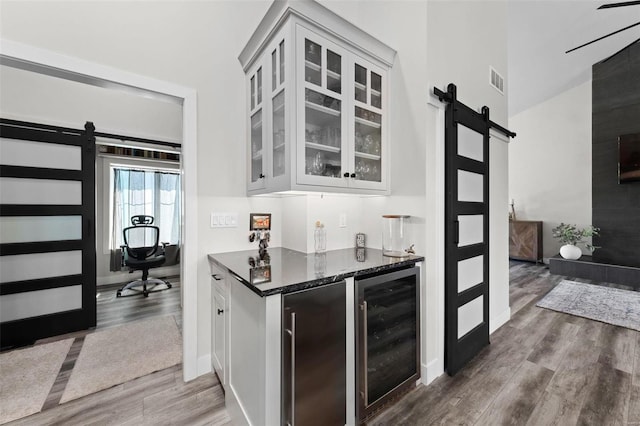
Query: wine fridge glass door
{"type": "Point", "coordinates": [388, 336]}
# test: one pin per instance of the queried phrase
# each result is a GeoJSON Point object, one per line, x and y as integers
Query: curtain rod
{"type": "Point", "coordinates": [19, 123]}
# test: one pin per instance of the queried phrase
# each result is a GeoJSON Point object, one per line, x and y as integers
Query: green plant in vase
{"type": "Point", "coordinates": [570, 236]}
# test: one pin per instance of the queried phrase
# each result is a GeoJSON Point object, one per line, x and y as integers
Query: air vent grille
{"type": "Point", "coordinates": [496, 80]}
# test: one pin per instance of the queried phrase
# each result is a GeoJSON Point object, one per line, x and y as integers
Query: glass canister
{"type": "Point", "coordinates": [395, 235]}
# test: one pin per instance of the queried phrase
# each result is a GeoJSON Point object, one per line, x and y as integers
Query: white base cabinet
{"type": "Point", "coordinates": [219, 323]}
{"type": "Point", "coordinates": [318, 104]}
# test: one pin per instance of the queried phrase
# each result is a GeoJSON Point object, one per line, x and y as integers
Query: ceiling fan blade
{"type": "Point", "coordinates": [603, 37]}
{"type": "Point", "coordinates": [620, 4]}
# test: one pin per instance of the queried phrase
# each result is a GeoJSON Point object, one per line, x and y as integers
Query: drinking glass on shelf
{"type": "Point", "coordinates": [318, 164]}
{"type": "Point", "coordinates": [358, 142]}
{"type": "Point", "coordinates": [376, 146]}
{"type": "Point", "coordinates": [368, 144]}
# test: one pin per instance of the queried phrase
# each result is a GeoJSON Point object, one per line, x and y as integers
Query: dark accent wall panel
{"type": "Point", "coordinates": [616, 111]}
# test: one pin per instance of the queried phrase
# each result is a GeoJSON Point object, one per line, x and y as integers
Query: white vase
{"type": "Point", "coordinates": [571, 252]}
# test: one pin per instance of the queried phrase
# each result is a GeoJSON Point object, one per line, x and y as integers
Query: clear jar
{"type": "Point", "coordinates": [395, 235]}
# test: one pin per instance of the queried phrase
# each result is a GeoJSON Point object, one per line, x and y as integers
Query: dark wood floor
{"type": "Point", "coordinates": [542, 368]}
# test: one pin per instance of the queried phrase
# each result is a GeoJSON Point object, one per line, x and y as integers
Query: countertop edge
{"type": "Point", "coordinates": [305, 285]}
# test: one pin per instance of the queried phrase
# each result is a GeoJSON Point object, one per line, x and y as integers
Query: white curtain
{"type": "Point", "coordinates": [147, 192]}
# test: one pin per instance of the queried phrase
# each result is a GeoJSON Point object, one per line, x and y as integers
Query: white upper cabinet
{"type": "Point", "coordinates": [318, 113]}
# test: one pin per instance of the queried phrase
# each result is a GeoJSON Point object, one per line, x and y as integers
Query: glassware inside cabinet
{"type": "Point", "coordinates": [368, 145]}
{"type": "Point", "coordinates": [322, 134]}
{"type": "Point", "coordinates": [278, 134]}
{"type": "Point", "coordinates": [256, 146]}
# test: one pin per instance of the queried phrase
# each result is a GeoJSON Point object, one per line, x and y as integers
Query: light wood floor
{"type": "Point", "coordinates": [542, 368]}
{"type": "Point", "coordinates": [156, 399]}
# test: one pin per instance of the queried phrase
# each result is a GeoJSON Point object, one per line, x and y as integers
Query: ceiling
{"type": "Point", "coordinates": [539, 33]}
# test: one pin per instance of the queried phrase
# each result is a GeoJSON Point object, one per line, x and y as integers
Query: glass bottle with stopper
{"type": "Point", "coordinates": [320, 237]}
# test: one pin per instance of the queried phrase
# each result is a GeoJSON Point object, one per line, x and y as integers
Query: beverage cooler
{"type": "Point", "coordinates": [387, 337]}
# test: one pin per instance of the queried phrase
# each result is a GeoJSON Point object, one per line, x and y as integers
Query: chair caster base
{"type": "Point", "coordinates": [153, 282]}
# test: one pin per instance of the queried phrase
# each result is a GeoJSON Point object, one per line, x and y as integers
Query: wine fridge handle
{"type": "Point", "coordinates": [365, 371]}
{"type": "Point", "coordinates": [293, 369]}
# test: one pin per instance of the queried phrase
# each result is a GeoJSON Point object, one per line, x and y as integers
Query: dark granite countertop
{"type": "Point", "coordinates": [286, 271]}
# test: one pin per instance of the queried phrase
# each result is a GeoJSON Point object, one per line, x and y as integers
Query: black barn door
{"type": "Point", "coordinates": [47, 231]}
{"type": "Point", "coordinates": [466, 232]}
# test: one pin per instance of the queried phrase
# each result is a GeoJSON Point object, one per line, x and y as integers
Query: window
{"type": "Point", "coordinates": [152, 192]}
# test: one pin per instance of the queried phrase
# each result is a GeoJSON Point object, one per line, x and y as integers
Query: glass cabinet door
{"type": "Point", "coordinates": [324, 115]}
{"type": "Point", "coordinates": [256, 141]}
{"type": "Point", "coordinates": [368, 121]}
{"type": "Point", "coordinates": [278, 128]}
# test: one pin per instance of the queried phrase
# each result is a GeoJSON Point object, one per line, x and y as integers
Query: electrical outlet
{"type": "Point", "coordinates": [343, 220]}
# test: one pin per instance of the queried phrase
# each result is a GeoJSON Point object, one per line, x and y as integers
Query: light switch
{"type": "Point", "coordinates": [343, 220]}
{"type": "Point", "coordinates": [224, 220]}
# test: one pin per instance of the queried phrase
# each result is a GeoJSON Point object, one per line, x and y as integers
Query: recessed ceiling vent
{"type": "Point", "coordinates": [496, 80]}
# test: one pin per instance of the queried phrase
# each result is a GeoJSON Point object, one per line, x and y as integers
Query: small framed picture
{"type": "Point", "coordinates": [260, 275]}
{"type": "Point", "coordinates": [360, 240]}
{"type": "Point", "coordinates": [260, 222]}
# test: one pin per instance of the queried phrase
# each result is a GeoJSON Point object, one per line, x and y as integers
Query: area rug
{"type": "Point", "coordinates": [123, 353]}
{"type": "Point", "coordinates": [27, 376]}
{"type": "Point", "coordinates": [604, 304]}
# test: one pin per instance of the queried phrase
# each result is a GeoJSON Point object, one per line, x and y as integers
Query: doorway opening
{"type": "Point", "coordinates": [20, 56]}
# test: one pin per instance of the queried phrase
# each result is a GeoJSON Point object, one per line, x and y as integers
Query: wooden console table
{"type": "Point", "coordinates": [525, 240]}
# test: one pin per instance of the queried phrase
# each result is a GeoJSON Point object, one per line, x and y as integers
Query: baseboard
{"type": "Point", "coordinates": [121, 277]}
{"type": "Point", "coordinates": [500, 320]}
{"type": "Point", "coordinates": [204, 364]}
{"type": "Point", "coordinates": [432, 371]}
{"type": "Point", "coordinates": [235, 409]}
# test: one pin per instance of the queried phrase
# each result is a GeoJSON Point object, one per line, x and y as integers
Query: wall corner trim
{"type": "Point", "coordinates": [499, 320]}
{"type": "Point", "coordinates": [431, 371]}
{"type": "Point", "coordinates": [204, 364]}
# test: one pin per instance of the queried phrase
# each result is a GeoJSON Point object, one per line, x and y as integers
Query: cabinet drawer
{"type": "Point", "coordinates": [218, 278]}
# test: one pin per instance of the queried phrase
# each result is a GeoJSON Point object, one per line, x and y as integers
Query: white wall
{"type": "Point", "coordinates": [195, 44]}
{"type": "Point", "coordinates": [550, 163]}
